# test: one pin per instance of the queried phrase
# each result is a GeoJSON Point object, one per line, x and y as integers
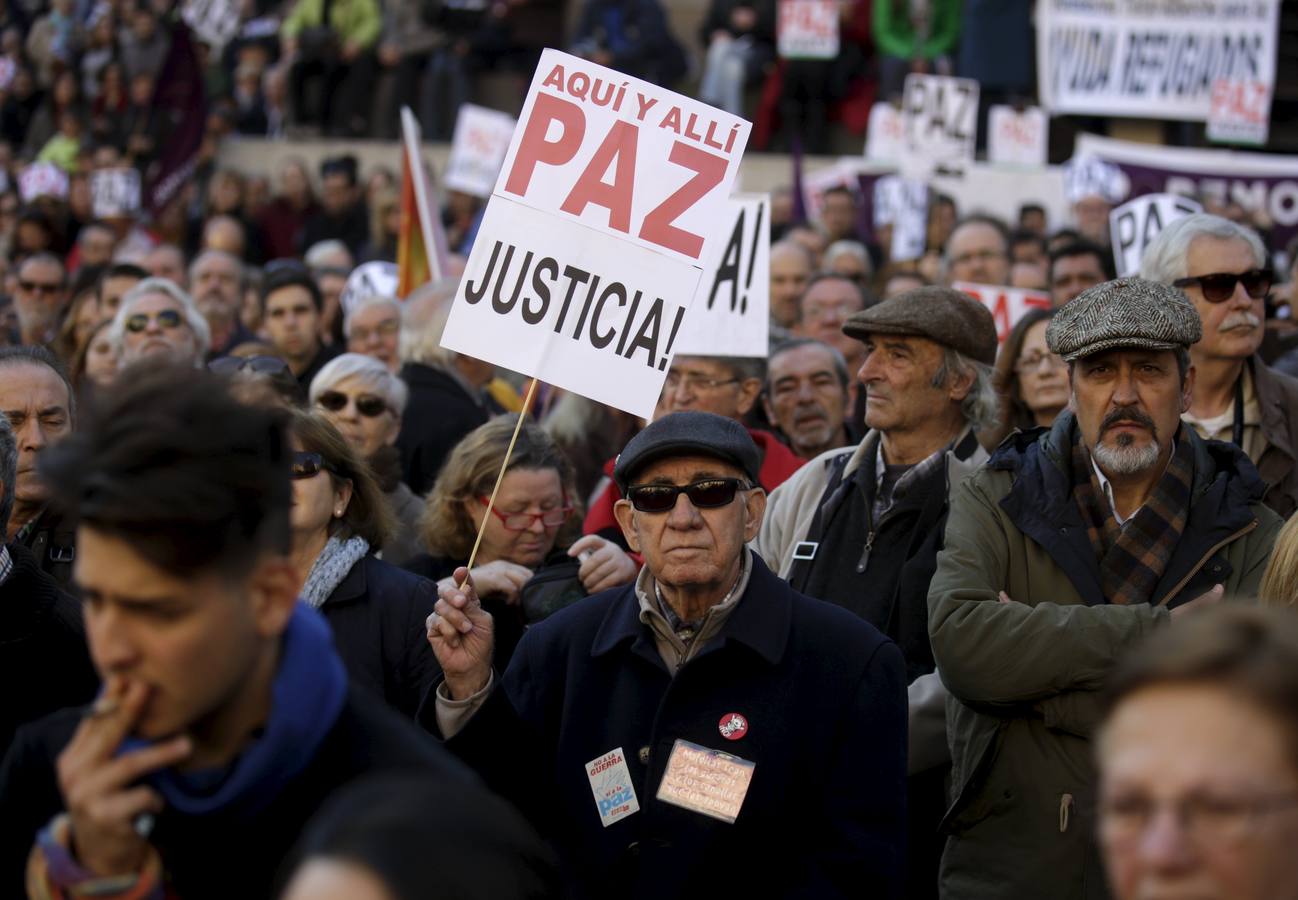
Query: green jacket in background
{"type": "Point", "coordinates": [356, 21]}
{"type": "Point", "coordinates": [1025, 676]}
{"type": "Point", "coordinates": [894, 33]}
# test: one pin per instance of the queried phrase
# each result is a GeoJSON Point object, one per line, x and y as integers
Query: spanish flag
{"type": "Point", "coordinates": [421, 244]}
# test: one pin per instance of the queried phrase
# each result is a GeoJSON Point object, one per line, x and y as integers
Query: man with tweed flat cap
{"type": "Point", "coordinates": [1069, 546]}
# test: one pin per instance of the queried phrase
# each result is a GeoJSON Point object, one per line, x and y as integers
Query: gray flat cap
{"type": "Point", "coordinates": [1129, 312]}
{"type": "Point", "coordinates": [947, 316]}
{"type": "Point", "coordinates": [688, 434]}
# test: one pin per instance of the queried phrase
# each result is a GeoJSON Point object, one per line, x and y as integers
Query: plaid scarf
{"type": "Point", "coordinates": [1133, 556]}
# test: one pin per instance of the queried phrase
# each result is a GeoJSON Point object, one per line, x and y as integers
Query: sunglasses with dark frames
{"type": "Point", "coordinates": [711, 493]}
{"type": "Point", "coordinates": [265, 365]}
{"type": "Point", "coordinates": [1220, 286]}
{"type": "Point", "coordinates": [32, 287]}
{"type": "Point", "coordinates": [306, 464]}
{"type": "Point", "coordinates": [368, 405]}
{"type": "Point", "coordinates": [522, 521]}
{"type": "Point", "coordinates": [166, 318]}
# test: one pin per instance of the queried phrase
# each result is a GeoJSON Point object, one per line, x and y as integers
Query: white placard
{"type": "Point", "coordinates": [42, 179]}
{"type": "Point", "coordinates": [730, 315]}
{"type": "Point", "coordinates": [1007, 304]}
{"type": "Point", "coordinates": [215, 22]}
{"type": "Point", "coordinates": [628, 158]}
{"type": "Point", "coordinates": [1240, 112]}
{"type": "Point", "coordinates": [807, 29]}
{"type": "Point", "coordinates": [115, 193]}
{"type": "Point", "coordinates": [1087, 176]}
{"type": "Point", "coordinates": [372, 279]}
{"type": "Point", "coordinates": [1150, 58]}
{"type": "Point", "coordinates": [885, 136]}
{"type": "Point", "coordinates": [940, 116]}
{"type": "Point", "coordinates": [1017, 138]}
{"type": "Point", "coordinates": [903, 204]}
{"type": "Point", "coordinates": [478, 149]}
{"type": "Point", "coordinates": [1135, 224]}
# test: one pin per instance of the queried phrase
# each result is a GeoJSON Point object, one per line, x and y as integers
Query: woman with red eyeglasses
{"type": "Point", "coordinates": [532, 537]}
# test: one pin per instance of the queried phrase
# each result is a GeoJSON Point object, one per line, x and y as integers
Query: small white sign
{"type": "Point", "coordinates": [478, 149]}
{"type": "Point", "coordinates": [1090, 176]}
{"type": "Point", "coordinates": [940, 115]}
{"type": "Point", "coordinates": [910, 224]}
{"type": "Point", "coordinates": [372, 279]}
{"type": "Point", "coordinates": [215, 22]}
{"type": "Point", "coordinates": [730, 315]}
{"type": "Point", "coordinates": [885, 136]}
{"type": "Point", "coordinates": [706, 781]}
{"type": "Point", "coordinates": [1240, 112]}
{"type": "Point", "coordinates": [807, 29]}
{"type": "Point", "coordinates": [1017, 138]}
{"type": "Point", "coordinates": [1134, 225]}
{"type": "Point", "coordinates": [115, 193]}
{"type": "Point", "coordinates": [610, 782]}
{"type": "Point", "coordinates": [1007, 304]}
{"type": "Point", "coordinates": [42, 179]}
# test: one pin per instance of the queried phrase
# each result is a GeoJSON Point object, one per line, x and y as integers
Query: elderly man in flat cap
{"type": "Point", "coordinates": [705, 732]}
{"type": "Point", "coordinates": [860, 526]}
{"type": "Point", "coordinates": [1067, 548]}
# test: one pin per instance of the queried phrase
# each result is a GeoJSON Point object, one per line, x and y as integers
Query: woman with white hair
{"type": "Point", "coordinates": [158, 318]}
{"type": "Point", "coordinates": [364, 401]}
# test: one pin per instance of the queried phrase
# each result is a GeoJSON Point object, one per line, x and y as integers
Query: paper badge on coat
{"type": "Point", "coordinates": [706, 781]}
{"type": "Point", "coordinates": [610, 782]}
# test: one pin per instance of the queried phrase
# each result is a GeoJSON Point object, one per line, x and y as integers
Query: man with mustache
{"type": "Point", "coordinates": [860, 526]}
{"type": "Point", "coordinates": [806, 396]}
{"type": "Point", "coordinates": [1066, 549]}
{"type": "Point", "coordinates": [1222, 268]}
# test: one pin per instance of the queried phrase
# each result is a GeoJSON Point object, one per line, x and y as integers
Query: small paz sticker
{"type": "Point", "coordinates": [732, 726]}
{"type": "Point", "coordinates": [706, 781]}
{"type": "Point", "coordinates": [610, 782]}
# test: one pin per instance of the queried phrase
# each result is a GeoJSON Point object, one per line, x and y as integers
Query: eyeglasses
{"type": "Point", "coordinates": [42, 287]}
{"type": "Point", "coordinates": [522, 521]}
{"type": "Point", "coordinates": [166, 318]}
{"type": "Point", "coordinates": [306, 464]}
{"type": "Point", "coordinates": [710, 494]}
{"type": "Point", "coordinates": [386, 328]}
{"type": "Point", "coordinates": [1220, 286]}
{"type": "Point", "coordinates": [1032, 362]}
{"type": "Point", "coordinates": [1206, 820]}
{"type": "Point", "coordinates": [695, 383]}
{"type": "Point", "coordinates": [978, 256]}
{"type": "Point", "coordinates": [265, 365]}
{"type": "Point", "coordinates": [368, 405]}
{"type": "Point", "coordinates": [822, 313]}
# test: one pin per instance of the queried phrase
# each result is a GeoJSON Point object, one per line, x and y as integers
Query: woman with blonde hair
{"type": "Point", "coordinates": [1279, 585]}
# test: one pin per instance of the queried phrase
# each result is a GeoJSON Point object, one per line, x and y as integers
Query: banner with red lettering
{"type": "Point", "coordinates": [1007, 304]}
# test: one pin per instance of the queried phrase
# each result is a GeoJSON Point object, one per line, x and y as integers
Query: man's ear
{"type": "Point", "coordinates": [273, 589]}
{"type": "Point", "coordinates": [961, 384]}
{"type": "Point", "coordinates": [754, 511]}
{"type": "Point", "coordinates": [624, 512]}
{"type": "Point", "coordinates": [749, 389]}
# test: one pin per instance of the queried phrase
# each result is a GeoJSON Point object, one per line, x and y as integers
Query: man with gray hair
{"type": "Point", "coordinates": [373, 328]}
{"type": "Point", "coordinates": [157, 318]}
{"type": "Point", "coordinates": [1221, 267]}
{"type": "Point", "coordinates": [1060, 554]}
{"type": "Point", "coordinates": [861, 526]}
{"type": "Point", "coordinates": [218, 281]}
{"type": "Point", "coordinates": [41, 631]}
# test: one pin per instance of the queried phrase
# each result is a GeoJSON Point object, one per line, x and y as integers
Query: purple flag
{"type": "Point", "coordinates": [180, 109]}
{"type": "Point", "coordinates": [799, 214]}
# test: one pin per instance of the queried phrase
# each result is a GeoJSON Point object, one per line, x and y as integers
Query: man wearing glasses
{"type": "Point", "coordinates": [40, 297]}
{"type": "Point", "coordinates": [706, 731]}
{"type": "Point", "coordinates": [1237, 398]}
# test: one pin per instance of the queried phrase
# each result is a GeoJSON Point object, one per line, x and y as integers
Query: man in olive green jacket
{"type": "Point", "coordinates": [1066, 549]}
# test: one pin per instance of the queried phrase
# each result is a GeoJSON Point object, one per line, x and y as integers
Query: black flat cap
{"type": "Point", "coordinates": [1128, 312]}
{"type": "Point", "coordinates": [944, 315]}
{"type": "Point", "coordinates": [688, 434]}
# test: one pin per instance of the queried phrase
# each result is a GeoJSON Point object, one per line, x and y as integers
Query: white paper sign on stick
{"type": "Point", "coordinates": [42, 179]}
{"type": "Point", "coordinates": [1135, 224]}
{"type": "Point", "coordinates": [628, 158]}
{"type": "Point", "coordinates": [377, 278]}
{"type": "Point", "coordinates": [730, 315]}
{"type": "Point", "coordinates": [115, 193]}
{"type": "Point", "coordinates": [807, 29]}
{"type": "Point", "coordinates": [216, 22]}
{"type": "Point", "coordinates": [940, 115]}
{"type": "Point", "coordinates": [1017, 138]}
{"type": "Point", "coordinates": [910, 219]}
{"type": "Point", "coordinates": [1240, 112]}
{"type": "Point", "coordinates": [1007, 304]}
{"type": "Point", "coordinates": [478, 149]}
{"type": "Point", "coordinates": [885, 135]}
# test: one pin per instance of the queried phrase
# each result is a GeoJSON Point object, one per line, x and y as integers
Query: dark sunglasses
{"type": "Point", "coordinates": [709, 494]}
{"type": "Point", "coordinates": [266, 365]}
{"type": "Point", "coordinates": [368, 405]}
{"type": "Point", "coordinates": [33, 286]}
{"type": "Point", "coordinates": [1220, 286]}
{"type": "Point", "coordinates": [167, 318]}
{"type": "Point", "coordinates": [306, 464]}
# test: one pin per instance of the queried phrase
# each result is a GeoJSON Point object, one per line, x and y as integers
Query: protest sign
{"type": "Point", "coordinates": [940, 117]}
{"type": "Point", "coordinates": [1090, 176]}
{"type": "Point", "coordinates": [115, 193]}
{"type": "Point", "coordinates": [885, 135]}
{"type": "Point", "coordinates": [1007, 304]}
{"type": "Point", "coordinates": [592, 245]}
{"type": "Point", "coordinates": [372, 279]}
{"type": "Point", "coordinates": [1017, 137]}
{"type": "Point", "coordinates": [807, 29]}
{"type": "Point", "coordinates": [1135, 224]}
{"type": "Point", "coordinates": [215, 22]}
{"type": "Point", "coordinates": [42, 179]}
{"type": "Point", "coordinates": [478, 149]}
{"type": "Point", "coordinates": [1256, 181]}
{"type": "Point", "coordinates": [902, 203]}
{"type": "Point", "coordinates": [1240, 111]}
{"type": "Point", "coordinates": [1150, 58]}
{"type": "Point", "coordinates": [730, 315]}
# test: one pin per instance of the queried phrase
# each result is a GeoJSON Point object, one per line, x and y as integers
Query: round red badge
{"type": "Point", "coordinates": [733, 726]}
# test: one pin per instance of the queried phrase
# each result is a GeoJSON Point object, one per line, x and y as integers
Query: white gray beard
{"type": "Point", "coordinates": [1125, 460]}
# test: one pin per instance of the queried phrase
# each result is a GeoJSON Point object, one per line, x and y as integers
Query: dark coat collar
{"type": "Point", "coordinates": [354, 586]}
{"type": "Point", "coordinates": [760, 621]}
